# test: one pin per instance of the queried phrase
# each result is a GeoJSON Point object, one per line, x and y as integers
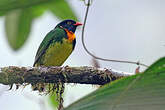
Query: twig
{"type": "Point", "coordinates": [96, 57]}
{"type": "Point", "coordinates": [82, 75]}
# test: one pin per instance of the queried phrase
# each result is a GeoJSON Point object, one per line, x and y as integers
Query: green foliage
{"type": "Point", "coordinates": [157, 66]}
{"type": "Point", "coordinates": [139, 92]}
{"type": "Point", "coordinates": [59, 7]}
{"type": "Point", "coordinates": [9, 5]}
{"type": "Point", "coordinates": [53, 100]}
{"type": "Point", "coordinates": [19, 15]}
{"type": "Point", "coordinates": [17, 26]}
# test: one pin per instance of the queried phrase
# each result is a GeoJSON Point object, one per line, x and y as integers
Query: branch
{"type": "Point", "coordinates": [82, 75]}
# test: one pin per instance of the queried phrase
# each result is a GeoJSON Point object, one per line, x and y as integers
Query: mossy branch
{"type": "Point", "coordinates": [82, 75]}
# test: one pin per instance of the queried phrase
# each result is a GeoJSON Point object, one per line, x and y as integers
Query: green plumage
{"type": "Point", "coordinates": [54, 49]}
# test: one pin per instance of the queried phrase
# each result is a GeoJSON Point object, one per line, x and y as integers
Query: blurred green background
{"type": "Point", "coordinates": [129, 30]}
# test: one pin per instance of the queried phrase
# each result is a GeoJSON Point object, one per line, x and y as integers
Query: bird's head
{"type": "Point", "coordinates": [70, 25]}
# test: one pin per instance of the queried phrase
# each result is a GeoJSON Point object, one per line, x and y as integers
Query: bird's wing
{"type": "Point", "coordinates": [54, 35]}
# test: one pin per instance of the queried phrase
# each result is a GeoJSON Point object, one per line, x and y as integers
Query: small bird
{"type": "Point", "coordinates": [57, 45]}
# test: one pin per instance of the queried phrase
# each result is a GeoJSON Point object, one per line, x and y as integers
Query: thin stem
{"type": "Point", "coordinates": [96, 57]}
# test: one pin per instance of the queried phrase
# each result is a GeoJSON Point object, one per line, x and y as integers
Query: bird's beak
{"type": "Point", "coordinates": [77, 24]}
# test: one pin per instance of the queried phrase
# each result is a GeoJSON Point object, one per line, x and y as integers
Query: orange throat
{"type": "Point", "coordinates": [71, 35]}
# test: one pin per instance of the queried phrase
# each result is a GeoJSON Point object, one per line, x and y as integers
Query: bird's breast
{"type": "Point", "coordinates": [57, 53]}
{"type": "Point", "coordinates": [71, 36]}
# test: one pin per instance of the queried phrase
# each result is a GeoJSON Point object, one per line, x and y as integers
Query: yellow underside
{"type": "Point", "coordinates": [57, 53]}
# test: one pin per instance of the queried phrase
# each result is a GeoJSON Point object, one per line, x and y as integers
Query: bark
{"type": "Point", "coordinates": [82, 75]}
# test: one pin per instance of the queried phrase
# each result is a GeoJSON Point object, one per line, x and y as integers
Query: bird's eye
{"type": "Point", "coordinates": [69, 23]}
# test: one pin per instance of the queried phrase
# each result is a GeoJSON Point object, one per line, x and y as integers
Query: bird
{"type": "Point", "coordinates": [57, 45]}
